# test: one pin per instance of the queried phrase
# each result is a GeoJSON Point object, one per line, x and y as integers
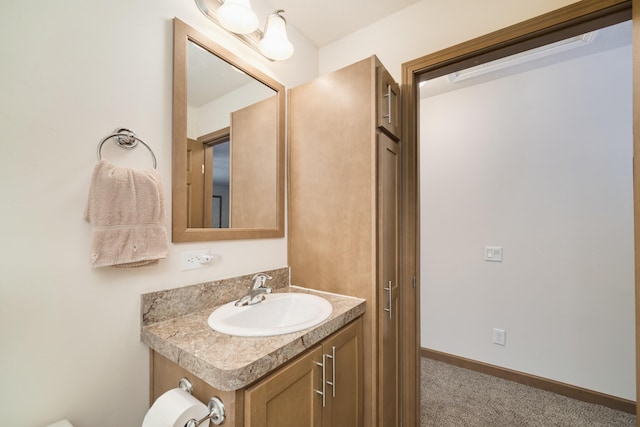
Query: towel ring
{"type": "Point", "coordinates": [126, 139]}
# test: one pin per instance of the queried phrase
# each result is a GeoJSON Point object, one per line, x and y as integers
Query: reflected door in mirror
{"type": "Point", "coordinates": [195, 184]}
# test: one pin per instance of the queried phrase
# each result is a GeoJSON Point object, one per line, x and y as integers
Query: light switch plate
{"type": "Point", "coordinates": [493, 253]}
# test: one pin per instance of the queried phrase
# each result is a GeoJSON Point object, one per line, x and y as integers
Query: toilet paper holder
{"type": "Point", "coordinates": [215, 406]}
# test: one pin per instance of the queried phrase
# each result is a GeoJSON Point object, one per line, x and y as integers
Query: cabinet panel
{"type": "Point", "coordinates": [254, 181]}
{"type": "Point", "coordinates": [288, 397]}
{"type": "Point", "coordinates": [389, 312]}
{"type": "Point", "coordinates": [344, 397]}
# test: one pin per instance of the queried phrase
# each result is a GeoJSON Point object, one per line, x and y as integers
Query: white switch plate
{"type": "Point", "coordinates": [190, 260]}
{"type": "Point", "coordinates": [499, 336]}
{"type": "Point", "coordinates": [493, 253]}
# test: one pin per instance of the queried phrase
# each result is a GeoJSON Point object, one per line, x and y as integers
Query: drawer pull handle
{"type": "Point", "coordinates": [389, 289]}
{"type": "Point", "coordinates": [332, 383]}
{"type": "Point", "coordinates": [324, 381]}
{"type": "Point", "coordinates": [388, 96]}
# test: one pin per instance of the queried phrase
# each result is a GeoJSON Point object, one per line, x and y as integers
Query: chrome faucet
{"type": "Point", "coordinates": [256, 291]}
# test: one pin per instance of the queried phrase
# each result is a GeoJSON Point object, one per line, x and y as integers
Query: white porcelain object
{"type": "Point", "coordinates": [278, 314]}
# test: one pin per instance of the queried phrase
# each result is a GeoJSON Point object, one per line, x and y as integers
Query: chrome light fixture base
{"type": "Point", "coordinates": [209, 9]}
{"type": "Point", "coordinates": [275, 47]}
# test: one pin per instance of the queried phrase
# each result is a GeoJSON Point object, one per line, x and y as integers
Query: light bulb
{"type": "Point", "coordinates": [275, 43]}
{"type": "Point", "coordinates": [237, 16]}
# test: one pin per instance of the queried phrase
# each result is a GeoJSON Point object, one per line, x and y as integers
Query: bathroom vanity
{"type": "Point", "coordinates": [309, 378]}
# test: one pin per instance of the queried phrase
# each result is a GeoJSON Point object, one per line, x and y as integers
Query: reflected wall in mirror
{"type": "Point", "coordinates": [228, 144]}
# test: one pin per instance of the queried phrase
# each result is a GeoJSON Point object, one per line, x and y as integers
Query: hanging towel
{"type": "Point", "coordinates": [127, 216]}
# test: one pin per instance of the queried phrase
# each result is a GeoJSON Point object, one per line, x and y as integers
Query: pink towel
{"type": "Point", "coordinates": [127, 216]}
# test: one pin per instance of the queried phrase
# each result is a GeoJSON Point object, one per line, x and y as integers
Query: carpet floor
{"type": "Point", "coordinates": [458, 397]}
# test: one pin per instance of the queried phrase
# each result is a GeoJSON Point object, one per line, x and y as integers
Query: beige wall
{"type": "Point", "coordinates": [429, 26]}
{"type": "Point", "coordinates": [542, 166]}
{"type": "Point", "coordinates": [71, 73]}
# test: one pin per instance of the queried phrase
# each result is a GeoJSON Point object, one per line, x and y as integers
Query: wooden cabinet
{"type": "Point", "coordinates": [323, 388]}
{"type": "Point", "coordinates": [343, 378]}
{"type": "Point", "coordinates": [388, 267]}
{"type": "Point", "coordinates": [344, 180]}
{"type": "Point", "coordinates": [288, 397]}
{"type": "Point", "coordinates": [254, 181]}
{"type": "Point", "coordinates": [165, 376]}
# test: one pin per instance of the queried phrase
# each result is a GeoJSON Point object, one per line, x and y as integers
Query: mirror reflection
{"type": "Point", "coordinates": [228, 144]}
{"type": "Point", "coordinates": [230, 127]}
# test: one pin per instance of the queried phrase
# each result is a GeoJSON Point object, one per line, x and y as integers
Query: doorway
{"type": "Point", "coordinates": [568, 22]}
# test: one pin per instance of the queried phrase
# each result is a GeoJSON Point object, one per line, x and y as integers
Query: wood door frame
{"type": "Point", "coordinates": [565, 22]}
{"type": "Point", "coordinates": [208, 141]}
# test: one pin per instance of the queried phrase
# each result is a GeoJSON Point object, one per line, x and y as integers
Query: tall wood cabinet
{"type": "Point", "coordinates": [344, 189]}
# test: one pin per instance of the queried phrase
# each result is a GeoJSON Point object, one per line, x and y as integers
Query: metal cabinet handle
{"type": "Point", "coordinates": [388, 96]}
{"type": "Point", "coordinates": [389, 289]}
{"type": "Point", "coordinates": [332, 383]}
{"type": "Point", "coordinates": [324, 381]}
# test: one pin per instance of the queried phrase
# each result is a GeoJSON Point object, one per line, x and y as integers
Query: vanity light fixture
{"type": "Point", "coordinates": [237, 16]}
{"type": "Point", "coordinates": [273, 43]}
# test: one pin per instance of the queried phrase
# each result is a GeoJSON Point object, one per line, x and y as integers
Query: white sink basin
{"type": "Point", "coordinates": [278, 314]}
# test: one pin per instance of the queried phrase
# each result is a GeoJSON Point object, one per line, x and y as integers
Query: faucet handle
{"type": "Point", "coordinates": [259, 280]}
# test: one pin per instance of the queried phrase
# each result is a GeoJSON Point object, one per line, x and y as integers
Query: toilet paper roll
{"type": "Point", "coordinates": [173, 409]}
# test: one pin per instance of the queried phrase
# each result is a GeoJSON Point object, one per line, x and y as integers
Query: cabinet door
{"type": "Point", "coordinates": [288, 397]}
{"type": "Point", "coordinates": [254, 180]}
{"type": "Point", "coordinates": [343, 355]}
{"type": "Point", "coordinates": [389, 291]}
{"type": "Point", "coordinates": [388, 100]}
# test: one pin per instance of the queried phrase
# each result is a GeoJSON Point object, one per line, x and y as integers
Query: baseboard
{"type": "Point", "coordinates": [533, 381]}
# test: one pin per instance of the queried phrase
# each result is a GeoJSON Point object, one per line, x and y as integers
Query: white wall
{"type": "Point", "coordinates": [216, 114]}
{"type": "Point", "coordinates": [539, 163]}
{"type": "Point", "coordinates": [428, 26]}
{"type": "Point", "coordinates": [71, 73]}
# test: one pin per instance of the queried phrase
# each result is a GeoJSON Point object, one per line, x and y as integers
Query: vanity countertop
{"type": "Point", "coordinates": [232, 362]}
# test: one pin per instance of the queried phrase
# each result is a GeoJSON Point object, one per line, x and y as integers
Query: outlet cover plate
{"type": "Point", "coordinates": [189, 260]}
{"type": "Point", "coordinates": [499, 336]}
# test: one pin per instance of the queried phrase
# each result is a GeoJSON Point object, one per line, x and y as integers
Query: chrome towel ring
{"type": "Point", "coordinates": [126, 139]}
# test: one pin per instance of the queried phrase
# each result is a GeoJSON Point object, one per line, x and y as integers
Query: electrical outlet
{"type": "Point", "coordinates": [499, 336]}
{"type": "Point", "coordinates": [190, 260]}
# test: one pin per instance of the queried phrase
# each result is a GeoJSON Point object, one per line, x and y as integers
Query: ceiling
{"type": "Point", "coordinates": [325, 21]}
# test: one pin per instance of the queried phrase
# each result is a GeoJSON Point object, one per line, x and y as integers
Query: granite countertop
{"type": "Point", "coordinates": [231, 362]}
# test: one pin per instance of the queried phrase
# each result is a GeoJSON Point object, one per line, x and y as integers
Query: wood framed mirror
{"type": "Point", "coordinates": [228, 144]}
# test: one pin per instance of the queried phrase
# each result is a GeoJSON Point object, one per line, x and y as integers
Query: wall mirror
{"type": "Point", "coordinates": [228, 144]}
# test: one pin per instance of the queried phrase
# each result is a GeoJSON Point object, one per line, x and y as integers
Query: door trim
{"type": "Point", "coordinates": [575, 19]}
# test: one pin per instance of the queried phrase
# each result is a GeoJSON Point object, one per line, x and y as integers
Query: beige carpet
{"type": "Point", "coordinates": [457, 397]}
